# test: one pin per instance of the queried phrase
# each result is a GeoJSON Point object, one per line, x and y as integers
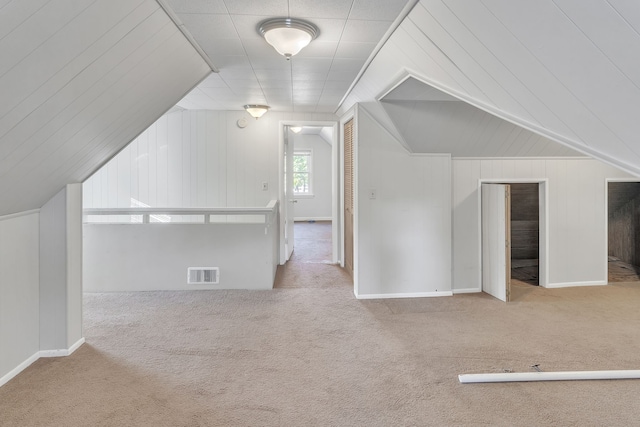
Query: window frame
{"type": "Point", "coordinates": [309, 153]}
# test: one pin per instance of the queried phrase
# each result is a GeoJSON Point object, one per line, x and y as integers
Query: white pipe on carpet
{"type": "Point", "coordinates": [549, 376]}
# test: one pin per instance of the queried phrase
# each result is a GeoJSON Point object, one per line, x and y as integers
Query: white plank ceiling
{"type": "Point", "coordinates": [79, 79]}
{"type": "Point", "coordinates": [430, 121]}
{"type": "Point", "coordinates": [566, 69]}
{"type": "Point", "coordinates": [252, 72]}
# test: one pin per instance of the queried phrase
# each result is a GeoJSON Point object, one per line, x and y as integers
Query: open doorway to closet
{"type": "Point", "coordinates": [623, 225]}
{"type": "Point", "coordinates": [513, 217]}
{"type": "Point", "coordinates": [525, 232]}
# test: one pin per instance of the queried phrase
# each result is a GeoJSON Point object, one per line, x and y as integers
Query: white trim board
{"type": "Point", "coordinates": [21, 367]}
{"type": "Point", "coordinates": [37, 355]}
{"type": "Point", "coordinates": [467, 291]}
{"type": "Point", "coordinates": [62, 352]}
{"type": "Point", "coordinates": [574, 284]}
{"type": "Point", "coordinates": [407, 295]}
{"type": "Point", "coordinates": [19, 214]}
{"type": "Point", "coordinates": [304, 218]}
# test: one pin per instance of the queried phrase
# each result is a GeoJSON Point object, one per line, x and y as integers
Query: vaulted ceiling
{"type": "Point", "coordinates": [78, 81]}
{"type": "Point", "coordinates": [565, 69]}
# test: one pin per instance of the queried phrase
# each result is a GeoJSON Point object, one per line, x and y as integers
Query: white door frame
{"type": "Point", "coordinates": [543, 209]}
{"type": "Point", "coordinates": [606, 221]}
{"type": "Point", "coordinates": [335, 226]}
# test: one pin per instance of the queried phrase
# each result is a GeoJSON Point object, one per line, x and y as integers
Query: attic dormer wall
{"type": "Point", "coordinates": [196, 159]}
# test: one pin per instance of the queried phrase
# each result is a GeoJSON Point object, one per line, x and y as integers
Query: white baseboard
{"type": "Point", "coordinates": [573, 284]}
{"type": "Point", "coordinates": [43, 353]}
{"type": "Point", "coordinates": [62, 352]}
{"type": "Point", "coordinates": [21, 367]}
{"type": "Point", "coordinates": [407, 295]}
{"type": "Point", "coordinates": [467, 291]}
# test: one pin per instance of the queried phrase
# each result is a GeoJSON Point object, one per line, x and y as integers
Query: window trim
{"type": "Point", "coordinates": [308, 152]}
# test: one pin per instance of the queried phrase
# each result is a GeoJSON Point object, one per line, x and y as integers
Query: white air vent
{"type": "Point", "coordinates": [203, 275]}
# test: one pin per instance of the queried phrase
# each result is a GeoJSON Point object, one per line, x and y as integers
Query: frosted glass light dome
{"type": "Point", "coordinates": [288, 36]}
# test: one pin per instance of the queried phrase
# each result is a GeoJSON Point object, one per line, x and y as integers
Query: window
{"type": "Point", "coordinates": [302, 178]}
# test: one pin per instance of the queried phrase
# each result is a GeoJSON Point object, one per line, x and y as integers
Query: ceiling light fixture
{"type": "Point", "coordinates": [296, 129]}
{"type": "Point", "coordinates": [255, 110]}
{"type": "Point", "coordinates": [287, 35]}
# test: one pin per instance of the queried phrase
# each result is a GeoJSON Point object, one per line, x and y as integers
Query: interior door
{"type": "Point", "coordinates": [348, 196]}
{"type": "Point", "coordinates": [288, 194]}
{"type": "Point", "coordinates": [496, 240]}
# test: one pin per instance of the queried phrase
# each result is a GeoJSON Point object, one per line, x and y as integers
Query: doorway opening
{"type": "Point", "coordinates": [623, 225]}
{"type": "Point", "coordinates": [513, 238]}
{"type": "Point", "coordinates": [308, 189]}
{"type": "Point", "coordinates": [525, 232]}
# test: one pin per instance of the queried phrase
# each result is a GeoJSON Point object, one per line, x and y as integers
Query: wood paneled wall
{"type": "Point", "coordinates": [624, 221]}
{"type": "Point", "coordinates": [78, 81]}
{"type": "Point", "coordinates": [576, 195]}
{"type": "Point", "coordinates": [403, 231]}
{"type": "Point", "coordinates": [525, 221]}
{"type": "Point", "coordinates": [19, 290]}
{"type": "Point", "coordinates": [196, 159]}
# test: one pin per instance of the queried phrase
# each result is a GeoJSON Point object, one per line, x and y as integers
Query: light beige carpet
{"type": "Point", "coordinates": [315, 356]}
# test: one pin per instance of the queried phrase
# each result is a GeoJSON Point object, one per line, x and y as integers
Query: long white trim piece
{"type": "Point", "coordinates": [19, 214]}
{"type": "Point", "coordinates": [549, 376]}
{"type": "Point", "coordinates": [62, 352]}
{"type": "Point", "coordinates": [21, 367]}
{"type": "Point", "coordinates": [406, 295]}
{"type": "Point", "coordinates": [467, 291]}
{"type": "Point", "coordinates": [574, 284]}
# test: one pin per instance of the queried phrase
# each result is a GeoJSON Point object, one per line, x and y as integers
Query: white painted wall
{"type": "Point", "coordinates": [404, 233]}
{"type": "Point", "coordinates": [145, 257]}
{"type": "Point", "coordinates": [317, 207]}
{"type": "Point", "coordinates": [196, 159]}
{"type": "Point", "coordinates": [61, 270]}
{"type": "Point", "coordinates": [577, 220]}
{"type": "Point", "coordinates": [19, 288]}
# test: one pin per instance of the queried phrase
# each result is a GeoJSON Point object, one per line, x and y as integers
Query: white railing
{"type": "Point", "coordinates": [163, 215]}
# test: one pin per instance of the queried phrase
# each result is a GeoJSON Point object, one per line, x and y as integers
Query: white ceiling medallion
{"type": "Point", "coordinates": [288, 36]}
{"type": "Point", "coordinates": [256, 110]}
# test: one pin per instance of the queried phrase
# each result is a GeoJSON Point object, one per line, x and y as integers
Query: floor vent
{"type": "Point", "coordinates": [203, 275]}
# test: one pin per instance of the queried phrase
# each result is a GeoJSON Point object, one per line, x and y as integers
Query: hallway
{"type": "Point", "coordinates": [310, 265]}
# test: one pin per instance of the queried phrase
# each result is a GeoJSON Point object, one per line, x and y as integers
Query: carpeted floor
{"type": "Point", "coordinates": [310, 354]}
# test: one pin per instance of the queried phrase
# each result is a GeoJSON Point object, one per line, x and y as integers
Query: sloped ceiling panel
{"type": "Point", "coordinates": [564, 69]}
{"type": "Point", "coordinates": [431, 121]}
{"type": "Point", "coordinates": [78, 81]}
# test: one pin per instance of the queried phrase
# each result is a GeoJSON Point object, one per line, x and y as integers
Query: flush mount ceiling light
{"type": "Point", "coordinates": [295, 129]}
{"type": "Point", "coordinates": [255, 110]}
{"type": "Point", "coordinates": [287, 35]}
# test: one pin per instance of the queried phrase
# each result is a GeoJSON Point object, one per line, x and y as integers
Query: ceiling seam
{"type": "Point", "coordinates": [176, 20]}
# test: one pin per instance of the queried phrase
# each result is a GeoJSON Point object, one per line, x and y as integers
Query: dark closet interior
{"type": "Point", "coordinates": [624, 231]}
{"type": "Point", "coordinates": [525, 240]}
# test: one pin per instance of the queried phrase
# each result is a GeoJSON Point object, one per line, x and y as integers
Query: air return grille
{"type": "Point", "coordinates": [203, 275]}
